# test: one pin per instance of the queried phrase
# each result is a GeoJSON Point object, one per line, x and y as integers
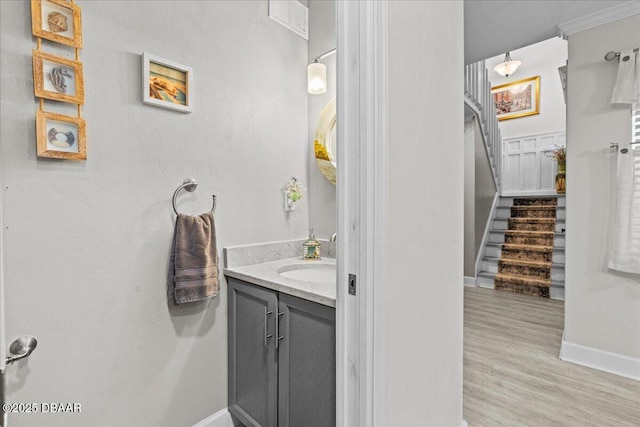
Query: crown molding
{"type": "Point", "coordinates": [596, 19]}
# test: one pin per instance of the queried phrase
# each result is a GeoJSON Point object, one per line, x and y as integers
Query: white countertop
{"type": "Point", "coordinates": [266, 275]}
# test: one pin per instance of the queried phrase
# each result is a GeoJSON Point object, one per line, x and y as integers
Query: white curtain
{"type": "Point", "coordinates": [627, 89]}
{"type": "Point", "coordinates": [624, 254]}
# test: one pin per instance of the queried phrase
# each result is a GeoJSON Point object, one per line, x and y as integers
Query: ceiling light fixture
{"type": "Point", "coordinates": [317, 74]}
{"type": "Point", "coordinates": [507, 67]}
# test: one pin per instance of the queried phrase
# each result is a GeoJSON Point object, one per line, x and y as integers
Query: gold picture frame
{"type": "Point", "coordinates": [57, 78]}
{"type": "Point", "coordinates": [58, 21]}
{"type": "Point", "coordinates": [60, 137]}
{"type": "Point", "coordinates": [517, 99]}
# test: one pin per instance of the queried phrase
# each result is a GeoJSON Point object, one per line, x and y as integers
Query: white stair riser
{"type": "Point", "coordinates": [484, 282]}
{"type": "Point", "coordinates": [500, 224]}
{"type": "Point", "coordinates": [556, 293]}
{"type": "Point", "coordinates": [496, 237]}
{"type": "Point", "coordinates": [559, 241]}
{"type": "Point", "coordinates": [493, 251]}
{"type": "Point", "coordinates": [490, 266]}
{"type": "Point", "coordinates": [503, 213]}
{"type": "Point", "coordinates": [558, 257]}
{"type": "Point", "coordinates": [506, 202]}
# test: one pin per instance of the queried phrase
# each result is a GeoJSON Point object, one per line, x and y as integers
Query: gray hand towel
{"type": "Point", "coordinates": [193, 263]}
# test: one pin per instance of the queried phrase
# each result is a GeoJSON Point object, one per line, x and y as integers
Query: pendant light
{"type": "Point", "coordinates": [507, 67]}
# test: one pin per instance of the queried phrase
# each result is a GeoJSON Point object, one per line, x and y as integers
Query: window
{"type": "Point", "coordinates": [635, 124]}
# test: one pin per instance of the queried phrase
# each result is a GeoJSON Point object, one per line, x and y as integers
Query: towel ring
{"type": "Point", "coordinates": [190, 185]}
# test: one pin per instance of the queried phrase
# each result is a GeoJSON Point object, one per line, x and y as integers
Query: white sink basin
{"type": "Point", "coordinates": [315, 272]}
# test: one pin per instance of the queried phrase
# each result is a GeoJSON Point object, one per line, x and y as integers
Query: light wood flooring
{"type": "Point", "coordinates": [513, 376]}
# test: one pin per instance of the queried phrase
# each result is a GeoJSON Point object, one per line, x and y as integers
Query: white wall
{"type": "Point", "coordinates": [87, 243]}
{"type": "Point", "coordinates": [540, 59]}
{"type": "Point", "coordinates": [602, 307]}
{"type": "Point", "coordinates": [425, 229]}
{"type": "Point", "coordinates": [322, 193]}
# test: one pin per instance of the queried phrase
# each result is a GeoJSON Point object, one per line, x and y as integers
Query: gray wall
{"type": "Point", "coordinates": [470, 198]}
{"type": "Point", "coordinates": [485, 188]}
{"type": "Point", "coordinates": [87, 243]}
{"type": "Point", "coordinates": [479, 192]}
{"type": "Point", "coordinates": [425, 214]}
{"type": "Point", "coordinates": [602, 307]}
{"type": "Point", "coordinates": [322, 193]}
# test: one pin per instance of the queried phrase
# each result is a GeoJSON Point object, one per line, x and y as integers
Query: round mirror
{"type": "Point", "coordinates": [325, 144]}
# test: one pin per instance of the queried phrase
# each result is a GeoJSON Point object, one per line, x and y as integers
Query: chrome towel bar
{"type": "Point", "coordinates": [190, 185]}
{"type": "Point", "coordinates": [615, 146]}
{"type": "Point", "coordinates": [611, 55]}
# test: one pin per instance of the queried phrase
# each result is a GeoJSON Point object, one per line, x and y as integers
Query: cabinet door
{"type": "Point", "coordinates": [253, 382]}
{"type": "Point", "coordinates": [306, 364]}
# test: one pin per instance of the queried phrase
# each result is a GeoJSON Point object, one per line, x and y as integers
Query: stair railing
{"type": "Point", "coordinates": [477, 96]}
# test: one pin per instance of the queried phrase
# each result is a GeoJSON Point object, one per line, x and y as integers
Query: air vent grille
{"type": "Point", "coordinates": [291, 14]}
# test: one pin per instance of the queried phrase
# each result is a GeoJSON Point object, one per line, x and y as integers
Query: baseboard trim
{"type": "Point", "coordinates": [470, 281]}
{"type": "Point", "coordinates": [222, 418]}
{"type": "Point", "coordinates": [605, 361]}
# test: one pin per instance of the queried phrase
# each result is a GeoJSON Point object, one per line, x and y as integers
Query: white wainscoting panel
{"type": "Point", "coordinates": [526, 168]}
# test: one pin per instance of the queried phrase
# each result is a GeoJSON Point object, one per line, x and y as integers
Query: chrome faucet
{"type": "Point", "coordinates": [334, 236]}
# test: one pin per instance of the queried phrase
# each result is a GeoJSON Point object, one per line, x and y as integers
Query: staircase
{"type": "Point", "coordinates": [478, 101]}
{"type": "Point", "coordinates": [525, 249]}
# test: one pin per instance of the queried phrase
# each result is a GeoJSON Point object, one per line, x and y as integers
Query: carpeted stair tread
{"type": "Point", "coordinates": [526, 262]}
{"type": "Point", "coordinates": [535, 207]}
{"type": "Point", "coordinates": [536, 291]}
{"type": "Point", "coordinates": [541, 220]}
{"type": "Point", "coordinates": [530, 232]}
{"type": "Point", "coordinates": [547, 201]}
{"type": "Point", "coordinates": [535, 248]}
{"type": "Point", "coordinates": [519, 280]}
{"type": "Point", "coordinates": [526, 256]}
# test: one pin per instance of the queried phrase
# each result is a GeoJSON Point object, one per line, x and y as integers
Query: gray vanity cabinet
{"type": "Point", "coordinates": [288, 386]}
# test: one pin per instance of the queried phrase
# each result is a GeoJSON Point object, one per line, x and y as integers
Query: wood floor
{"type": "Point", "coordinates": [513, 376]}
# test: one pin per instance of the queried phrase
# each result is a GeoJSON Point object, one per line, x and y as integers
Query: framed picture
{"type": "Point", "coordinates": [166, 84]}
{"type": "Point", "coordinates": [60, 137]}
{"type": "Point", "coordinates": [57, 20]}
{"type": "Point", "coordinates": [57, 78]}
{"type": "Point", "coordinates": [517, 99]}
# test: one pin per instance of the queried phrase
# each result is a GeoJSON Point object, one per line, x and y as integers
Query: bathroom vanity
{"type": "Point", "coordinates": [282, 360]}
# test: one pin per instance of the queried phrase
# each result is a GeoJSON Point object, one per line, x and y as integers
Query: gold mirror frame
{"type": "Point", "coordinates": [324, 144]}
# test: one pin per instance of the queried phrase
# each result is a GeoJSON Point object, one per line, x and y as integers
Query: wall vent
{"type": "Point", "coordinates": [292, 14]}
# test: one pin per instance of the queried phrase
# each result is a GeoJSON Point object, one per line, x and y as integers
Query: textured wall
{"type": "Point", "coordinates": [602, 307]}
{"type": "Point", "coordinates": [87, 243]}
{"type": "Point", "coordinates": [425, 230]}
{"type": "Point", "coordinates": [322, 193]}
{"type": "Point", "coordinates": [541, 59]}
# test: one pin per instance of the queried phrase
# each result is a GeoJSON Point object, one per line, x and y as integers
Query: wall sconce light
{"type": "Point", "coordinates": [317, 74]}
{"type": "Point", "coordinates": [507, 67]}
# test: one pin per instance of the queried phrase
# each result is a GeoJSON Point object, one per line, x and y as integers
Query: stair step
{"type": "Point", "coordinates": [535, 201]}
{"type": "Point", "coordinates": [503, 224]}
{"type": "Point", "coordinates": [525, 269]}
{"type": "Point", "coordinates": [520, 286]}
{"type": "Point", "coordinates": [527, 252]}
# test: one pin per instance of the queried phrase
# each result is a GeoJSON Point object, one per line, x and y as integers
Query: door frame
{"type": "Point", "coordinates": [362, 212]}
